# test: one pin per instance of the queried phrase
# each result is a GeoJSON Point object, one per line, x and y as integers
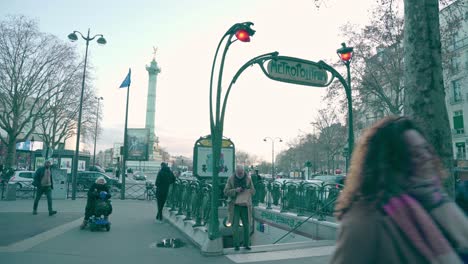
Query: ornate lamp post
{"type": "Point", "coordinates": [272, 153]}
{"type": "Point", "coordinates": [346, 54]}
{"type": "Point", "coordinates": [242, 32]}
{"type": "Point", "coordinates": [345, 155]}
{"type": "Point", "coordinates": [96, 130]}
{"type": "Point", "coordinates": [101, 40]}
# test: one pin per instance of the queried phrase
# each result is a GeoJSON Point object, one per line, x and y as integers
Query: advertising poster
{"type": "Point", "coordinates": [137, 140]}
{"type": "Point", "coordinates": [39, 162]}
{"type": "Point", "coordinates": [205, 162]}
{"type": "Point", "coordinates": [81, 165]}
{"type": "Point", "coordinates": [116, 153]}
{"type": "Point", "coordinates": [66, 163]}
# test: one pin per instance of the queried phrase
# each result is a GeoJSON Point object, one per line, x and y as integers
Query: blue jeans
{"type": "Point", "coordinates": [48, 192]}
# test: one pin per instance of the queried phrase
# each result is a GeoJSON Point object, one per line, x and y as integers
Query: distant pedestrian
{"type": "Point", "coordinates": [461, 196]}
{"type": "Point", "coordinates": [44, 184]}
{"type": "Point", "coordinates": [163, 181]}
{"type": "Point", "coordinates": [393, 208]}
{"type": "Point", "coordinates": [239, 188]}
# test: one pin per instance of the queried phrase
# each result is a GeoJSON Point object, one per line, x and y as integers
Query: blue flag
{"type": "Point", "coordinates": [126, 82]}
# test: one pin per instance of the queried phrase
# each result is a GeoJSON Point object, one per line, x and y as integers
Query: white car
{"type": "Point", "coordinates": [186, 174]}
{"type": "Point", "coordinates": [22, 179]}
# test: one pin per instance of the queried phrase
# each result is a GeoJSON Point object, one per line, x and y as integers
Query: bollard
{"type": "Point", "coordinates": [11, 192]}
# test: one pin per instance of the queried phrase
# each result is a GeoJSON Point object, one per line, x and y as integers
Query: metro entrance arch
{"type": "Point", "coordinates": [279, 68]}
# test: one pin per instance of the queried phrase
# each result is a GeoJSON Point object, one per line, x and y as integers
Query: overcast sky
{"type": "Point", "coordinates": [186, 34]}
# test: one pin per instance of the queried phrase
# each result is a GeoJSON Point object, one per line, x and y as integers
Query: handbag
{"type": "Point", "coordinates": [243, 198]}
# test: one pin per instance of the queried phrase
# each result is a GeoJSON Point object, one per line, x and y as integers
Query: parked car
{"type": "Point", "coordinates": [22, 179]}
{"type": "Point", "coordinates": [339, 179]}
{"type": "Point", "coordinates": [86, 178]}
{"type": "Point", "coordinates": [97, 168]}
{"type": "Point", "coordinates": [186, 174]}
{"type": "Point", "coordinates": [139, 176]}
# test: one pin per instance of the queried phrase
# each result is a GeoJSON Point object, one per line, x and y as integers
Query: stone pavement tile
{"type": "Point", "coordinates": [18, 226]}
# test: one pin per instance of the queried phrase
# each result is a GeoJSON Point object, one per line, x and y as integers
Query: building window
{"type": "Point", "coordinates": [458, 123]}
{"type": "Point", "coordinates": [461, 150]}
{"type": "Point", "coordinates": [456, 91]}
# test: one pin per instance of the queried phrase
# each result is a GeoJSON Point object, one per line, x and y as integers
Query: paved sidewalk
{"type": "Point", "coordinates": [132, 238]}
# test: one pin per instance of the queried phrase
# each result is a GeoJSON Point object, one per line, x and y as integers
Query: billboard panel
{"type": "Point", "coordinates": [137, 140]}
{"type": "Point", "coordinates": [205, 162]}
{"type": "Point", "coordinates": [66, 163]}
{"type": "Point", "coordinates": [116, 151]}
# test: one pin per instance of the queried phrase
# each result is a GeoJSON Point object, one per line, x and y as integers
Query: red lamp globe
{"type": "Point", "coordinates": [243, 35]}
{"type": "Point", "coordinates": [346, 56]}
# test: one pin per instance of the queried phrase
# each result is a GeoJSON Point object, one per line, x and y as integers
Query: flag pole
{"type": "Point", "coordinates": [124, 160]}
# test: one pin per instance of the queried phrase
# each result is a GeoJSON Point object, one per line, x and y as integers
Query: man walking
{"type": "Point", "coordinates": [164, 179]}
{"type": "Point", "coordinates": [45, 185]}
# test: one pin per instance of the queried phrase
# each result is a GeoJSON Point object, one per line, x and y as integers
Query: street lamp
{"type": "Point", "coordinates": [101, 40]}
{"type": "Point", "coordinates": [96, 130]}
{"type": "Point", "coordinates": [272, 153]}
{"type": "Point", "coordinates": [242, 32]}
{"type": "Point", "coordinates": [345, 155]}
{"type": "Point", "coordinates": [346, 54]}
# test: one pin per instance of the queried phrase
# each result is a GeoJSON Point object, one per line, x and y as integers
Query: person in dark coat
{"type": "Point", "coordinates": [163, 181]}
{"type": "Point", "coordinates": [461, 196]}
{"type": "Point", "coordinates": [93, 195]}
{"type": "Point", "coordinates": [44, 184]}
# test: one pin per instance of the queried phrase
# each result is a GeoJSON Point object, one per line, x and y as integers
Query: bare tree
{"type": "Point", "coordinates": [59, 122]}
{"type": "Point", "coordinates": [377, 68]}
{"type": "Point", "coordinates": [332, 135]}
{"type": "Point", "coordinates": [164, 154]}
{"type": "Point", "coordinates": [30, 66]}
{"type": "Point", "coordinates": [245, 159]}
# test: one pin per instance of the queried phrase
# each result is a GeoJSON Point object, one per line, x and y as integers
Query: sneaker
{"type": "Point", "coordinates": [158, 221]}
{"type": "Point", "coordinates": [34, 212]}
{"type": "Point", "coordinates": [236, 248]}
{"type": "Point", "coordinates": [248, 248]}
{"type": "Point", "coordinates": [52, 213]}
{"type": "Point", "coordinates": [83, 225]}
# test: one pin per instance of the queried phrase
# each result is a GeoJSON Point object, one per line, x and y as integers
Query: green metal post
{"type": "Point", "coordinates": [350, 117]}
{"type": "Point", "coordinates": [347, 87]}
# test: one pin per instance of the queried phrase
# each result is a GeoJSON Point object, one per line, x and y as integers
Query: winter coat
{"type": "Point", "coordinates": [164, 179]}
{"type": "Point", "coordinates": [230, 192]}
{"type": "Point", "coordinates": [95, 189]}
{"type": "Point", "coordinates": [367, 235]}
{"type": "Point", "coordinates": [38, 177]}
{"type": "Point", "coordinates": [462, 196]}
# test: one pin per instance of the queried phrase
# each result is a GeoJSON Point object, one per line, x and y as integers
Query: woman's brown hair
{"type": "Point", "coordinates": [380, 163]}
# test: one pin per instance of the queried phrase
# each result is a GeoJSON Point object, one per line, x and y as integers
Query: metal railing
{"type": "Point", "coordinates": [192, 199]}
{"type": "Point", "coordinates": [23, 190]}
{"type": "Point", "coordinates": [300, 197]}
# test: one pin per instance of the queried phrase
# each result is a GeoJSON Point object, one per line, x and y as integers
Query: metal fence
{"type": "Point", "coordinates": [17, 190]}
{"type": "Point", "coordinates": [133, 191]}
{"type": "Point", "coordinates": [25, 190]}
{"type": "Point", "coordinates": [302, 198]}
{"type": "Point", "coordinates": [191, 198]}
